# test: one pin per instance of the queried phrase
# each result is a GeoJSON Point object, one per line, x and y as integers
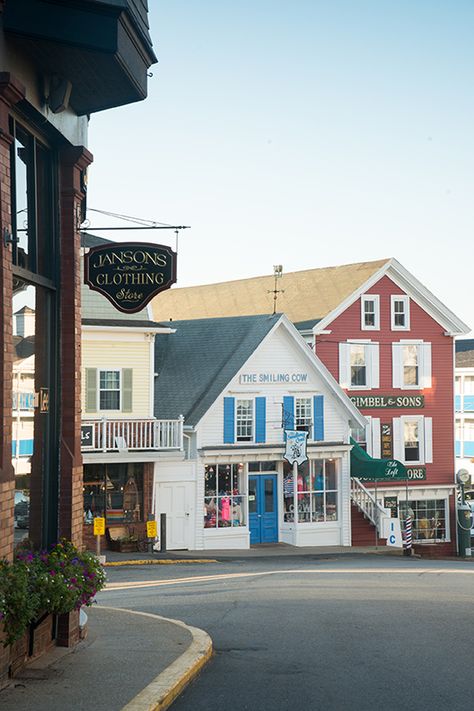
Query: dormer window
{"type": "Point", "coordinates": [400, 313]}
{"type": "Point", "coordinates": [370, 312]}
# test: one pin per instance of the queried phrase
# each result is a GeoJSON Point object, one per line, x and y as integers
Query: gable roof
{"type": "Point", "coordinates": [308, 295]}
{"type": "Point", "coordinates": [313, 296]}
{"type": "Point", "coordinates": [196, 363]}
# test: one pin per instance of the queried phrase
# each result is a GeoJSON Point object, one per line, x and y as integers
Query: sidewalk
{"type": "Point", "coordinates": [262, 551]}
{"type": "Point", "coordinates": [129, 660]}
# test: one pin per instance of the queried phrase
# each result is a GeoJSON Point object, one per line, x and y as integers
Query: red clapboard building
{"type": "Point", "coordinates": [390, 346]}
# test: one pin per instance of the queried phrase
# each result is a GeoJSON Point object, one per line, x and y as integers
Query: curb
{"type": "Point", "coordinates": [118, 563]}
{"type": "Point", "coordinates": [166, 687]}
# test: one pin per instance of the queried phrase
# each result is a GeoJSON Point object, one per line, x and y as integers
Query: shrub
{"type": "Point", "coordinates": [59, 580]}
{"type": "Point", "coordinates": [18, 602]}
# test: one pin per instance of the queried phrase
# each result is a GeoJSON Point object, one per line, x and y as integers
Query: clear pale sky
{"type": "Point", "coordinates": [306, 134]}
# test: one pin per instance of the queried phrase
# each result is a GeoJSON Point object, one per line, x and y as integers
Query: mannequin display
{"type": "Point", "coordinates": [225, 509]}
{"type": "Point", "coordinates": [236, 514]}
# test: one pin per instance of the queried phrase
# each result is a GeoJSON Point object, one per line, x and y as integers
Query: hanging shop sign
{"type": "Point", "coordinates": [386, 440]}
{"type": "Point", "coordinates": [388, 401]}
{"type": "Point", "coordinates": [129, 275]}
{"type": "Point", "coordinates": [295, 447]}
{"type": "Point", "coordinates": [418, 473]}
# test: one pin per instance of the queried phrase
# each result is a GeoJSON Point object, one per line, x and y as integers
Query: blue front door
{"type": "Point", "coordinates": [263, 513]}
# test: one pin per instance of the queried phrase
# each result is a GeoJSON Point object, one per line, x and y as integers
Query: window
{"type": "Point", "coordinates": [411, 363]}
{"type": "Point", "coordinates": [109, 390]}
{"type": "Point", "coordinates": [468, 384]}
{"type": "Point", "coordinates": [359, 365]}
{"type": "Point", "coordinates": [303, 414]}
{"type": "Point", "coordinates": [359, 435]}
{"type": "Point", "coordinates": [244, 420]}
{"type": "Point", "coordinates": [32, 197]}
{"type": "Point", "coordinates": [413, 439]}
{"type": "Point", "coordinates": [400, 316]}
{"type": "Point", "coordinates": [428, 519]}
{"type": "Point", "coordinates": [224, 496]}
{"type": "Point", "coordinates": [314, 498]}
{"type": "Point", "coordinates": [468, 438]}
{"type": "Point", "coordinates": [370, 312]}
{"type": "Point", "coordinates": [263, 466]}
{"type": "Point", "coordinates": [114, 491]}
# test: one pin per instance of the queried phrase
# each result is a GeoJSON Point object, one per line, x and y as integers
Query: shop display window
{"type": "Point", "coordinates": [314, 498]}
{"type": "Point", "coordinates": [428, 519]}
{"type": "Point", "coordinates": [114, 491]}
{"type": "Point", "coordinates": [224, 496]}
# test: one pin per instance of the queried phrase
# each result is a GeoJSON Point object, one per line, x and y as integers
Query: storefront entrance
{"type": "Point", "coordinates": [263, 509]}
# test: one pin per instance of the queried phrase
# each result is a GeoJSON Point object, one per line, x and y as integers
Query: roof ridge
{"type": "Point", "coordinates": [379, 262]}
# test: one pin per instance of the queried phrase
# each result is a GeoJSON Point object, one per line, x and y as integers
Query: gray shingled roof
{"type": "Point", "coordinates": [465, 353]}
{"type": "Point", "coordinates": [195, 364]}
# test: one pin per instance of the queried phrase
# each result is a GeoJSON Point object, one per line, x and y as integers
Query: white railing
{"type": "Point", "coordinates": [369, 506]}
{"type": "Point", "coordinates": [121, 435]}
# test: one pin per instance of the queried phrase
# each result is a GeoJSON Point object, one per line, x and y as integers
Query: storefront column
{"type": "Point", "coordinates": [11, 92]}
{"type": "Point", "coordinates": [73, 161]}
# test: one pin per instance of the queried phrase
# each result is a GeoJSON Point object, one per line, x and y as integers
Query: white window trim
{"type": "Point", "coordinates": [376, 299]}
{"type": "Point", "coordinates": [424, 359]}
{"type": "Point", "coordinates": [372, 364]}
{"type": "Point", "coordinates": [406, 300]}
{"type": "Point", "coordinates": [311, 419]}
{"type": "Point", "coordinates": [99, 389]}
{"type": "Point", "coordinates": [244, 441]}
{"type": "Point", "coordinates": [421, 433]}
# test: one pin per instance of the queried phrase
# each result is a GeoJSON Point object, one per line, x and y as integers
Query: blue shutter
{"type": "Point", "coordinates": [229, 420]}
{"type": "Point", "coordinates": [260, 419]}
{"type": "Point", "coordinates": [318, 415]}
{"type": "Point", "coordinates": [288, 412]}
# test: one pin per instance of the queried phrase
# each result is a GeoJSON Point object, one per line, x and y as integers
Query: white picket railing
{"type": "Point", "coordinates": [369, 506]}
{"type": "Point", "coordinates": [106, 435]}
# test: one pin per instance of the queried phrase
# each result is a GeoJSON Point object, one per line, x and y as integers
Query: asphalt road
{"type": "Point", "coordinates": [350, 633]}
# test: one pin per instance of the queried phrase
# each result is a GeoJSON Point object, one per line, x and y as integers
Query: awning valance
{"type": "Point", "coordinates": [366, 468]}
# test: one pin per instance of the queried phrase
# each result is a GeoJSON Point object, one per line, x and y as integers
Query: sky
{"type": "Point", "coordinates": [307, 134]}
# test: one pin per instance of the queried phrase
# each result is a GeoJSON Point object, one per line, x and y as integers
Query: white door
{"type": "Point", "coordinates": [175, 500]}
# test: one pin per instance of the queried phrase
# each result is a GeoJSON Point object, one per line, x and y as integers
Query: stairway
{"type": "Point", "coordinates": [362, 530]}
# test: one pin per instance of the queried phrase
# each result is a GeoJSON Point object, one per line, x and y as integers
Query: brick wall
{"type": "Point", "coordinates": [10, 93]}
{"type": "Point", "coordinates": [72, 162]}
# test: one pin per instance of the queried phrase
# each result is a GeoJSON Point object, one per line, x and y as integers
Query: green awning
{"type": "Point", "coordinates": [366, 468]}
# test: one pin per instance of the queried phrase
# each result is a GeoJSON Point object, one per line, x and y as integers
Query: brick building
{"type": "Point", "coordinates": [53, 76]}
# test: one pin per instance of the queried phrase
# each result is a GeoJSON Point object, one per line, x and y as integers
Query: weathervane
{"type": "Point", "coordinates": [277, 274]}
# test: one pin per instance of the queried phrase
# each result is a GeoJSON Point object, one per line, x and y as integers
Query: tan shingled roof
{"type": "Point", "coordinates": [309, 294]}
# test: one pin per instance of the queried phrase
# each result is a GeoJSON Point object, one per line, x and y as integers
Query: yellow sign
{"type": "Point", "coordinates": [151, 529]}
{"type": "Point", "coordinates": [99, 526]}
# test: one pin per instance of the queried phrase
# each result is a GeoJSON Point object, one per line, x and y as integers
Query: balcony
{"type": "Point", "coordinates": [131, 435]}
